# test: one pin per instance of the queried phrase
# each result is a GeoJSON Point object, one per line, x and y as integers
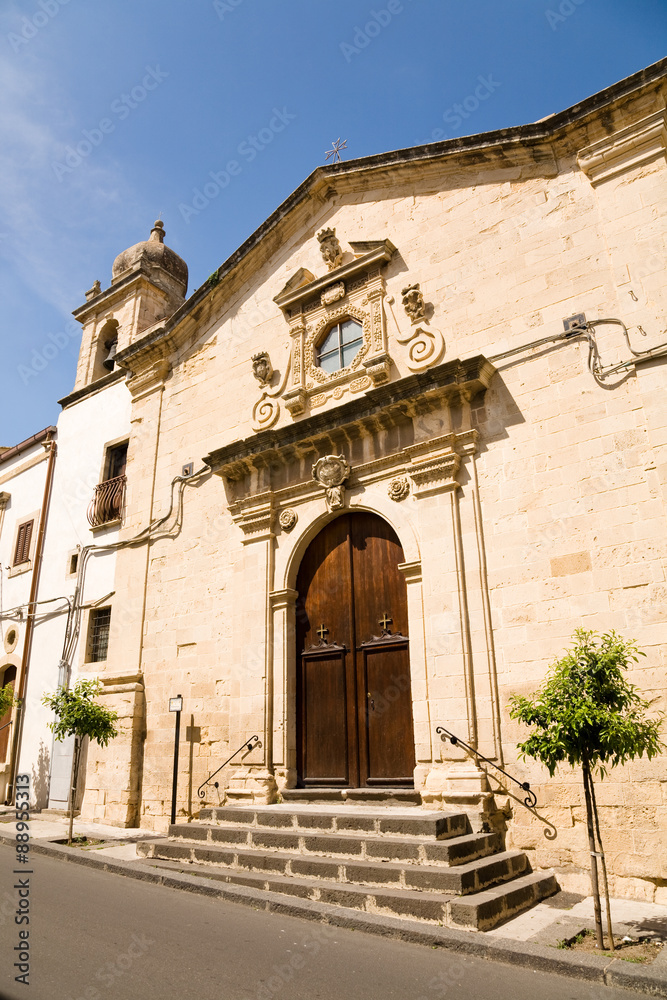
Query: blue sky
{"type": "Point", "coordinates": [157, 95]}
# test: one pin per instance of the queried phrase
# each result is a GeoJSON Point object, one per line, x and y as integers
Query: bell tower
{"type": "Point", "coordinates": [148, 284]}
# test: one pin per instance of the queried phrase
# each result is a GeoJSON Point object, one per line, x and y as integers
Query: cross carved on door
{"type": "Point", "coordinates": [385, 622]}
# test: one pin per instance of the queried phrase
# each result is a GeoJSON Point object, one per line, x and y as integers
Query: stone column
{"type": "Point", "coordinates": [283, 603]}
{"type": "Point", "coordinates": [253, 779]}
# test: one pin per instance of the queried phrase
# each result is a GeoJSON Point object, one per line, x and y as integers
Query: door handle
{"type": "Point", "coordinates": [371, 703]}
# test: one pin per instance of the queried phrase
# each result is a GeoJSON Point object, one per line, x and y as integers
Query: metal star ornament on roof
{"type": "Point", "coordinates": [335, 150]}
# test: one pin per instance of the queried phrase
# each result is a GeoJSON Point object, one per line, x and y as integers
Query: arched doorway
{"type": "Point", "coordinates": [354, 701]}
{"type": "Point", "coordinates": [7, 679]}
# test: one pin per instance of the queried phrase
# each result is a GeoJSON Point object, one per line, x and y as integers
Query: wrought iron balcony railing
{"type": "Point", "coordinates": [107, 503]}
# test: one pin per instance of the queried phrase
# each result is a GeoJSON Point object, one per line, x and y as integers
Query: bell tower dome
{"type": "Point", "coordinates": [149, 283]}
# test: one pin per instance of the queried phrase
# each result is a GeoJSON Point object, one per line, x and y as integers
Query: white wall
{"type": "Point", "coordinates": [84, 428]}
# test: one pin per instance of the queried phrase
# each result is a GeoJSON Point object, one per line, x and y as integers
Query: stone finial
{"type": "Point", "coordinates": [413, 303]}
{"type": "Point", "coordinates": [330, 248]}
{"type": "Point", "coordinates": [95, 290]}
{"type": "Point", "coordinates": [157, 232]}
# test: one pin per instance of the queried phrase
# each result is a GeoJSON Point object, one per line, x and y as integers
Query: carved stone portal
{"type": "Point", "coordinates": [331, 471]}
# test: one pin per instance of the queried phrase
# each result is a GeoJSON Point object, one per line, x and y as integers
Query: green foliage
{"type": "Point", "coordinates": [587, 712]}
{"type": "Point", "coordinates": [7, 699]}
{"type": "Point", "coordinates": [78, 715]}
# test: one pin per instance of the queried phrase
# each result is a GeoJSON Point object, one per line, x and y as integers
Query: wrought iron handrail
{"type": "Point", "coordinates": [530, 800]}
{"type": "Point", "coordinates": [6, 725]}
{"type": "Point", "coordinates": [107, 502]}
{"type": "Point", "coordinates": [251, 744]}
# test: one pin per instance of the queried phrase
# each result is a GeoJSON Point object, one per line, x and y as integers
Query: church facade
{"type": "Point", "coordinates": [380, 466]}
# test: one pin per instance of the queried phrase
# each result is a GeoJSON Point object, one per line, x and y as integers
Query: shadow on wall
{"type": "Point", "coordinates": [40, 777]}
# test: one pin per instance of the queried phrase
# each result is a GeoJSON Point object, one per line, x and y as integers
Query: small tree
{"type": "Point", "coordinates": [587, 714]}
{"type": "Point", "coordinates": [7, 699]}
{"type": "Point", "coordinates": [77, 715]}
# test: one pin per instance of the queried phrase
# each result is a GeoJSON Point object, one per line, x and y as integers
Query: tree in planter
{"type": "Point", "coordinates": [587, 714]}
{"type": "Point", "coordinates": [77, 715]}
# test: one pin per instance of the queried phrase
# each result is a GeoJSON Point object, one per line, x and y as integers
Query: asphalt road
{"type": "Point", "coordinates": [99, 936]}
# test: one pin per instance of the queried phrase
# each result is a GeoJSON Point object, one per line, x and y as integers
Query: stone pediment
{"type": "Point", "coordinates": [374, 254]}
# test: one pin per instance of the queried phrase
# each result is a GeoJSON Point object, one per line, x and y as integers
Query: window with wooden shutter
{"type": "Point", "coordinates": [23, 539]}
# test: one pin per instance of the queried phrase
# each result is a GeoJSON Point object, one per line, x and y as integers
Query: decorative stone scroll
{"type": "Point", "coordinates": [425, 348]}
{"type": "Point", "coordinates": [266, 410]}
{"type": "Point", "coordinates": [331, 471]}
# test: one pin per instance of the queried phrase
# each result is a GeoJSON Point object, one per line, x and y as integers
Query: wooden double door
{"type": "Point", "coordinates": [354, 701]}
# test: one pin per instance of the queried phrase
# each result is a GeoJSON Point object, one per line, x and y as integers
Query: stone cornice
{"type": "Point", "coordinates": [629, 147]}
{"type": "Point", "coordinates": [386, 402]}
{"type": "Point", "coordinates": [89, 390]}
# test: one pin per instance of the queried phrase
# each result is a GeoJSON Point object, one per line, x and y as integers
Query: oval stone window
{"type": "Point", "coordinates": [340, 346]}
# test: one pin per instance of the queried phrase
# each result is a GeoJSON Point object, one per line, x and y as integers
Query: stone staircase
{"type": "Point", "coordinates": [401, 862]}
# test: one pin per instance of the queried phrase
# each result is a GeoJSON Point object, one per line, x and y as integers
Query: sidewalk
{"type": "Point", "coordinates": [531, 939]}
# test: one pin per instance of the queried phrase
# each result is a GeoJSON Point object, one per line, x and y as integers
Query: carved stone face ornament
{"type": "Point", "coordinates": [331, 471]}
{"type": "Point", "coordinates": [262, 368]}
{"type": "Point", "coordinates": [330, 248]}
{"type": "Point", "coordinates": [413, 303]}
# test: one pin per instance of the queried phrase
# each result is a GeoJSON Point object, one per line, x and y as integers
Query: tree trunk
{"type": "Point", "coordinates": [73, 784]}
{"type": "Point", "coordinates": [594, 864]}
{"type": "Point", "coordinates": [610, 933]}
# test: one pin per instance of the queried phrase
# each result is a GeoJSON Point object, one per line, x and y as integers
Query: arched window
{"type": "Point", "coordinates": [340, 346]}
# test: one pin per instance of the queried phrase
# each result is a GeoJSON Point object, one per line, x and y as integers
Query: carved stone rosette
{"type": "Point", "coordinates": [287, 519]}
{"type": "Point", "coordinates": [398, 488]}
{"type": "Point", "coordinates": [331, 471]}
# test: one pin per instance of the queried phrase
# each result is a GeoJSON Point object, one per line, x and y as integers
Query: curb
{"type": "Point", "coordinates": [592, 968]}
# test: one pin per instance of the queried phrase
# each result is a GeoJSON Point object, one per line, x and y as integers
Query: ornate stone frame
{"type": "Point", "coordinates": [315, 334]}
{"type": "Point", "coordinates": [354, 289]}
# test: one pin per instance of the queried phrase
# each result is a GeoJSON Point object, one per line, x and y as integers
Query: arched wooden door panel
{"type": "Point", "coordinates": [354, 702]}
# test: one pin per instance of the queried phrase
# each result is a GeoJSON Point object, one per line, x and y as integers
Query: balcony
{"type": "Point", "coordinates": [107, 503]}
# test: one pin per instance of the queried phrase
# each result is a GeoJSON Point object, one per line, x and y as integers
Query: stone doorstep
{"type": "Point", "coordinates": [456, 850]}
{"type": "Point", "coordinates": [390, 821]}
{"type": "Point", "coordinates": [459, 880]}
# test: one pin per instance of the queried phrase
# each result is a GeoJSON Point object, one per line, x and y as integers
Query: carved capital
{"type": "Point", "coordinates": [436, 475]}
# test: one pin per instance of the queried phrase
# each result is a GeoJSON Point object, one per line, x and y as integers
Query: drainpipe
{"type": "Point", "coordinates": [30, 623]}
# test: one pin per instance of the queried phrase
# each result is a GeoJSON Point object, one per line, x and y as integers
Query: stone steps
{"type": "Point", "coordinates": [458, 880]}
{"type": "Point", "coordinates": [395, 822]}
{"type": "Point", "coordinates": [404, 862]}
